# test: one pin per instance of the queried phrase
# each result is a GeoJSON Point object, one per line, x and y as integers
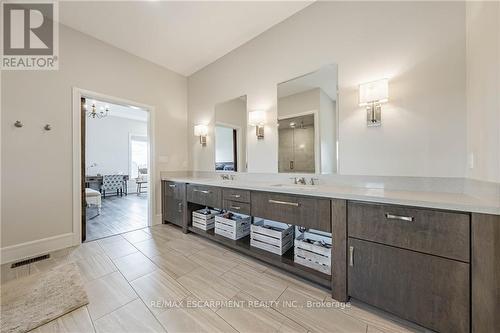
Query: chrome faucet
{"type": "Point", "coordinates": [226, 177]}
{"type": "Point", "coordinates": [299, 180]}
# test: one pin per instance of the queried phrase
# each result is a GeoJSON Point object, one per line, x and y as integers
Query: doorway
{"type": "Point", "coordinates": [116, 164]}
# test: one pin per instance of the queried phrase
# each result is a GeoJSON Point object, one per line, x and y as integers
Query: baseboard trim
{"type": "Point", "coordinates": [34, 248]}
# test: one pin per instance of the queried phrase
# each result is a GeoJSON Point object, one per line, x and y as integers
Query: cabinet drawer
{"type": "Point", "coordinates": [205, 195]}
{"type": "Point", "coordinates": [424, 230]}
{"type": "Point", "coordinates": [304, 211]}
{"type": "Point", "coordinates": [236, 195]}
{"type": "Point", "coordinates": [174, 190]}
{"type": "Point", "coordinates": [429, 290]}
{"type": "Point", "coordinates": [237, 207]}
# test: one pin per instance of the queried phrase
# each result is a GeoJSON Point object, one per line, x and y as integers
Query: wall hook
{"type": "Point", "coordinates": [18, 124]}
{"type": "Point", "coordinates": [47, 127]}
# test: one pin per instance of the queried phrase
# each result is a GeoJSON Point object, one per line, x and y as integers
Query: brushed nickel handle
{"type": "Point", "coordinates": [201, 191]}
{"type": "Point", "coordinates": [351, 256]}
{"type": "Point", "coordinates": [180, 207]}
{"type": "Point", "coordinates": [235, 207]}
{"type": "Point", "coordinates": [399, 217]}
{"type": "Point", "coordinates": [172, 185]}
{"type": "Point", "coordinates": [287, 203]}
{"type": "Point", "coordinates": [236, 195]}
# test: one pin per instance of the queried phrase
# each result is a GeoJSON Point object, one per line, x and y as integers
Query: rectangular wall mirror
{"type": "Point", "coordinates": [307, 123]}
{"type": "Point", "coordinates": [231, 135]}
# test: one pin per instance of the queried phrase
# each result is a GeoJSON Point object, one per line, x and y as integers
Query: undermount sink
{"type": "Point", "coordinates": [296, 186]}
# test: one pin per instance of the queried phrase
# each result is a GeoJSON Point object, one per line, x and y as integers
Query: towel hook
{"type": "Point", "coordinates": [18, 124]}
{"type": "Point", "coordinates": [47, 127]}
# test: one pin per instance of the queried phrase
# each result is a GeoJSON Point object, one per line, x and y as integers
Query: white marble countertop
{"type": "Point", "coordinates": [439, 200]}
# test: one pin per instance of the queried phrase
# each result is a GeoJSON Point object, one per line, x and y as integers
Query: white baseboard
{"type": "Point", "coordinates": [30, 249]}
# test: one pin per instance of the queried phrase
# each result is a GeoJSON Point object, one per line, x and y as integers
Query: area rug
{"type": "Point", "coordinates": [36, 299]}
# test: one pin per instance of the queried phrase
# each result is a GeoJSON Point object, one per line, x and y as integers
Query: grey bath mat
{"type": "Point", "coordinates": [39, 298]}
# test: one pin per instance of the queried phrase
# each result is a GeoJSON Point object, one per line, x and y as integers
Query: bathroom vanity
{"type": "Point", "coordinates": [437, 266]}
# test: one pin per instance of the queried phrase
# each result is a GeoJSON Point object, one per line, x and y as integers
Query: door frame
{"type": "Point", "coordinates": [77, 94]}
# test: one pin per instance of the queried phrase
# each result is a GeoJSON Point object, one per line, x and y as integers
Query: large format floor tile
{"type": "Point", "coordinates": [107, 294]}
{"type": "Point", "coordinates": [134, 265]}
{"type": "Point", "coordinates": [315, 315]}
{"type": "Point", "coordinates": [174, 264]}
{"type": "Point", "coordinates": [188, 319]}
{"type": "Point", "coordinates": [159, 291]}
{"type": "Point", "coordinates": [133, 317]}
{"type": "Point", "coordinates": [73, 322]}
{"type": "Point", "coordinates": [95, 267]}
{"type": "Point", "coordinates": [207, 286]}
{"type": "Point", "coordinates": [247, 315]}
{"type": "Point", "coordinates": [214, 262]}
{"type": "Point", "coordinates": [255, 283]}
{"type": "Point", "coordinates": [118, 248]}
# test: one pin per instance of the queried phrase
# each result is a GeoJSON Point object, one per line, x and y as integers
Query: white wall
{"type": "Point", "coordinates": [37, 165]}
{"type": "Point", "coordinates": [419, 46]}
{"type": "Point", "coordinates": [483, 90]}
{"type": "Point", "coordinates": [108, 145]}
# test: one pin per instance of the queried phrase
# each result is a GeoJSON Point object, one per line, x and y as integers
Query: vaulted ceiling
{"type": "Point", "coordinates": [183, 36]}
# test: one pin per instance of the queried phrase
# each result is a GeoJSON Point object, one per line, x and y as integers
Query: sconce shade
{"type": "Point", "coordinates": [256, 118]}
{"type": "Point", "coordinates": [200, 130]}
{"type": "Point", "coordinates": [376, 91]}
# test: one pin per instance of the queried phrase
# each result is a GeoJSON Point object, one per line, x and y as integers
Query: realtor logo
{"type": "Point", "coordinates": [30, 35]}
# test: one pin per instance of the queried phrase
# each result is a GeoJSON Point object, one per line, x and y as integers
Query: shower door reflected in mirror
{"type": "Point", "coordinates": [307, 123]}
{"type": "Point", "coordinates": [231, 135]}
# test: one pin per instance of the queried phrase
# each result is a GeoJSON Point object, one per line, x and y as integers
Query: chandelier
{"type": "Point", "coordinates": [93, 113]}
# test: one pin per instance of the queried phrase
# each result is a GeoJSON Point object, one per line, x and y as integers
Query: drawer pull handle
{"type": "Point", "coordinates": [286, 203]}
{"type": "Point", "coordinates": [236, 195]}
{"type": "Point", "coordinates": [235, 207]}
{"type": "Point", "coordinates": [180, 207]}
{"type": "Point", "coordinates": [201, 191]}
{"type": "Point", "coordinates": [351, 256]}
{"type": "Point", "coordinates": [399, 217]}
{"type": "Point", "coordinates": [172, 185]}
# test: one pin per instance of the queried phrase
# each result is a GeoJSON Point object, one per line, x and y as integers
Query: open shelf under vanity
{"type": "Point", "coordinates": [284, 261]}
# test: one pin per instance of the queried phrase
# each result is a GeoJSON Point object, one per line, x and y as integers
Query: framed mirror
{"type": "Point", "coordinates": [231, 135]}
{"type": "Point", "coordinates": [308, 122]}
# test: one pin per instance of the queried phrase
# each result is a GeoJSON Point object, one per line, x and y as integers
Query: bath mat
{"type": "Point", "coordinates": [36, 299]}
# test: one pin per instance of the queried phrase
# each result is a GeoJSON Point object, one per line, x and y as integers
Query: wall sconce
{"type": "Point", "coordinates": [372, 95]}
{"type": "Point", "coordinates": [202, 132]}
{"type": "Point", "coordinates": [257, 119]}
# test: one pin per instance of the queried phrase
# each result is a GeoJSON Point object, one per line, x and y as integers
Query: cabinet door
{"type": "Point", "coordinates": [173, 198]}
{"type": "Point", "coordinates": [429, 290]}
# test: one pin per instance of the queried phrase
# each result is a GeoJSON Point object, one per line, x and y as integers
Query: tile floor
{"type": "Point", "coordinates": [161, 280]}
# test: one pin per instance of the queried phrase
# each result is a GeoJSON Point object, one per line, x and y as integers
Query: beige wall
{"type": "Point", "coordinates": [419, 46]}
{"type": "Point", "coordinates": [37, 165]}
{"type": "Point", "coordinates": [483, 90]}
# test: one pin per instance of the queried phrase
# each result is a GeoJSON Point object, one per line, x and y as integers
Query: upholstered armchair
{"type": "Point", "coordinates": [112, 183]}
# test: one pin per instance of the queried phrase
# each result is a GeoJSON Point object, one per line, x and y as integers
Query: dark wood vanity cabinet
{"type": "Point", "coordinates": [429, 290]}
{"type": "Point", "coordinates": [173, 202]}
{"type": "Point", "coordinates": [440, 233]}
{"type": "Point", "coordinates": [308, 212]}
{"type": "Point", "coordinates": [204, 195]}
{"type": "Point", "coordinates": [412, 262]}
{"type": "Point", "coordinates": [437, 268]}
